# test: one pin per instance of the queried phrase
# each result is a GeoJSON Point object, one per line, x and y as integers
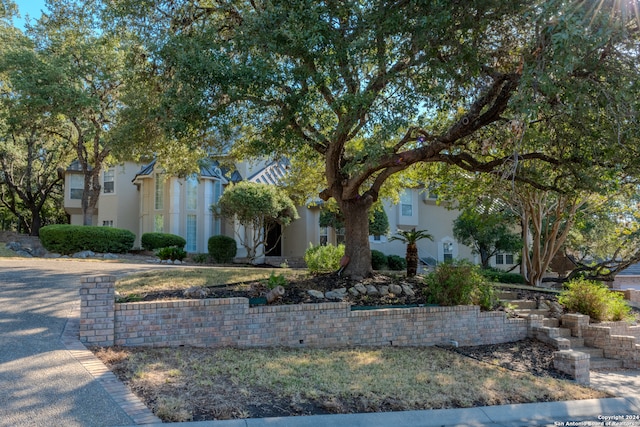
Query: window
{"type": "Point", "coordinates": [159, 193]}
{"type": "Point", "coordinates": [76, 186]}
{"type": "Point", "coordinates": [499, 259]}
{"type": "Point", "coordinates": [508, 258]}
{"type": "Point", "coordinates": [108, 223]}
{"type": "Point", "coordinates": [324, 236]}
{"type": "Point", "coordinates": [502, 258]}
{"type": "Point", "coordinates": [192, 193]}
{"type": "Point", "coordinates": [191, 233]}
{"type": "Point", "coordinates": [217, 193]}
{"type": "Point", "coordinates": [406, 207]}
{"type": "Point", "coordinates": [158, 223]}
{"type": "Point", "coordinates": [340, 236]}
{"type": "Point", "coordinates": [447, 251]}
{"type": "Point", "coordinates": [108, 180]}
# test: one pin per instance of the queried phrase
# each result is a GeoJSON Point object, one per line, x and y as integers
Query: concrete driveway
{"type": "Point", "coordinates": [41, 382]}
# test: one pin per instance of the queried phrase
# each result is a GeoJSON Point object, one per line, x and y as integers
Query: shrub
{"type": "Point", "coordinates": [378, 260]}
{"type": "Point", "coordinates": [323, 259]}
{"type": "Point", "coordinates": [153, 241]}
{"type": "Point", "coordinates": [274, 281]}
{"type": "Point", "coordinates": [595, 300]}
{"type": "Point", "coordinates": [459, 283]}
{"type": "Point", "coordinates": [500, 276]}
{"type": "Point", "coordinates": [396, 263]}
{"type": "Point", "coordinates": [172, 252]}
{"type": "Point", "coordinates": [200, 258]}
{"type": "Point", "coordinates": [67, 239]}
{"type": "Point", "coordinates": [222, 249]}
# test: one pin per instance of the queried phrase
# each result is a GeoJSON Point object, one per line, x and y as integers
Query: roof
{"type": "Point", "coordinates": [210, 170]}
{"type": "Point", "coordinates": [270, 174]}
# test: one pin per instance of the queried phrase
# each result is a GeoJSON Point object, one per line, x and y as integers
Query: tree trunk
{"type": "Point", "coordinates": [412, 259]}
{"type": "Point", "coordinates": [356, 223]}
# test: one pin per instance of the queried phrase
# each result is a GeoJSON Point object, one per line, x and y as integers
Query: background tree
{"type": "Point", "coordinates": [488, 230]}
{"type": "Point", "coordinates": [411, 238]}
{"type": "Point", "coordinates": [372, 89]}
{"type": "Point", "coordinates": [258, 208]}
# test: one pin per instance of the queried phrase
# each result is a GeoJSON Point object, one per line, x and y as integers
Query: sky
{"type": "Point", "coordinates": [28, 7]}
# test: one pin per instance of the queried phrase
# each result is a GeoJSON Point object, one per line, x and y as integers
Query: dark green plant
{"type": "Point", "coordinates": [378, 260]}
{"type": "Point", "coordinates": [276, 280]}
{"type": "Point", "coordinates": [172, 252]}
{"type": "Point", "coordinates": [223, 249]}
{"type": "Point", "coordinates": [67, 239]}
{"type": "Point", "coordinates": [595, 300]}
{"type": "Point", "coordinates": [411, 238]}
{"type": "Point", "coordinates": [200, 258]}
{"type": "Point", "coordinates": [323, 259]}
{"type": "Point", "coordinates": [500, 276]}
{"type": "Point", "coordinates": [459, 283]}
{"type": "Point", "coordinates": [396, 263]}
{"type": "Point", "coordinates": [153, 241]}
{"type": "Point", "coordinates": [378, 223]}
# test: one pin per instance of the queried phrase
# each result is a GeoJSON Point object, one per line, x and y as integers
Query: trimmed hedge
{"type": "Point", "coordinates": [222, 249]}
{"type": "Point", "coordinates": [153, 241]}
{"type": "Point", "coordinates": [396, 263]}
{"type": "Point", "coordinates": [68, 239]}
{"type": "Point", "coordinates": [378, 260]}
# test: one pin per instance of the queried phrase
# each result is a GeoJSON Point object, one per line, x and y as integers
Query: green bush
{"type": "Point", "coordinates": [323, 259]}
{"type": "Point", "coordinates": [396, 263]}
{"type": "Point", "coordinates": [378, 260]}
{"type": "Point", "coordinates": [459, 283]}
{"type": "Point", "coordinates": [595, 300]}
{"type": "Point", "coordinates": [200, 258]}
{"type": "Point", "coordinates": [223, 249]}
{"type": "Point", "coordinates": [172, 252]}
{"type": "Point", "coordinates": [153, 241]}
{"type": "Point", "coordinates": [68, 239]}
{"type": "Point", "coordinates": [500, 276]}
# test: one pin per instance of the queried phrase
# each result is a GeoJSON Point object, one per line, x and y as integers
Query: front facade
{"type": "Point", "coordinates": [144, 199]}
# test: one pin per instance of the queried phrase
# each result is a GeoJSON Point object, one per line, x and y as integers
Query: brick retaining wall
{"type": "Point", "coordinates": [231, 322]}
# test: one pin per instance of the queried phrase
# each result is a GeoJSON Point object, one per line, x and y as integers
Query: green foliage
{"type": "Point", "coordinates": [410, 237]}
{"type": "Point", "coordinates": [595, 300]}
{"type": "Point", "coordinates": [222, 249]}
{"type": "Point", "coordinates": [459, 283]}
{"type": "Point", "coordinates": [396, 263]}
{"type": "Point", "coordinates": [487, 230]}
{"type": "Point", "coordinates": [172, 252]}
{"type": "Point", "coordinates": [200, 258]}
{"type": "Point", "coordinates": [378, 223]}
{"type": "Point", "coordinates": [274, 281]}
{"type": "Point", "coordinates": [323, 259]}
{"type": "Point", "coordinates": [496, 275]}
{"type": "Point", "coordinates": [67, 239]}
{"type": "Point", "coordinates": [378, 260]}
{"type": "Point", "coordinates": [152, 241]}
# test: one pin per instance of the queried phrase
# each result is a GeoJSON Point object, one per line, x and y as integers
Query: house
{"type": "Point", "coordinates": [143, 199]}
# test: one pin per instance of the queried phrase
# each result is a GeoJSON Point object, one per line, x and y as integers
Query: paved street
{"type": "Point", "coordinates": [41, 383]}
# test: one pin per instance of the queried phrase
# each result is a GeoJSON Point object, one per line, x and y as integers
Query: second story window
{"type": "Point", "coordinates": [108, 181]}
{"type": "Point", "coordinates": [192, 193]}
{"type": "Point", "coordinates": [406, 206]}
{"type": "Point", "coordinates": [76, 186]}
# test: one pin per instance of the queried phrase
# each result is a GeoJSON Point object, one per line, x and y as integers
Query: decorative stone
{"type": "Point", "coordinates": [53, 255]}
{"type": "Point", "coordinates": [395, 289]}
{"type": "Point", "coordinates": [110, 256]}
{"type": "Point", "coordinates": [315, 294]}
{"type": "Point", "coordinates": [353, 291]}
{"type": "Point", "coordinates": [372, 290]}
{"type": "Point", "coordinates": [83, 254]}
{"type": "Point", "coordinates": [14, 246]}
{"type": "Point", "coordinates": [361, 288]}
{"type": "Point", "coordinates": [24, 253]}
{"type": "Point", "coordinates": [384, 290]}
{"type": "Point", "coordinates": [336, 294]}
{"type": "Point", "coordinates": [195, 292]}
{"type": "Point", "coordinates": [408, 290]}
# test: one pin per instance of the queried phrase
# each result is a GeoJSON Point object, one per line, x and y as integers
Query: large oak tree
{"type": "Point", "coordinates": [374, 88]}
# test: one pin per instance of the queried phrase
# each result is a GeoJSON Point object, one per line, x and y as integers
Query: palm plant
{"type": "Point", "coordinates": [410, 238]}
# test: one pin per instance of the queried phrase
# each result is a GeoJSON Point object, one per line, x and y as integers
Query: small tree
{"type": "Point", "coordinates": [258, 208]}
{"type": "Point", "coordinates": [410, 238]}
{"type": "Point", "coordinates": [486, 231]}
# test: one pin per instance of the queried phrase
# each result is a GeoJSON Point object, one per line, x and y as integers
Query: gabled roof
{"type": "Point", "coordinates": [271, 174]}
{"type": "Point", "coordinates": [210, 170]}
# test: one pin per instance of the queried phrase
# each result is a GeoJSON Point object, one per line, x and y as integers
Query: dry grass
{"type": "Point", "coordinates": [183, 278]}
{"type": "Point", "coordinates": [203, 384]}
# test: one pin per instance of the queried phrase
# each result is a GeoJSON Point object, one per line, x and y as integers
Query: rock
{"type": "Point", "coordinates": [408, 290]}
{"type": "Point", "coordinates": [395, 289]}
{"type": "Point", "coordinates": [52, 255]}
{"type": "Point", "coordinates": [372, 290]}
{"type": "Point", "coordinates": [196, 292]}
{"type": "Point", "coordinates": [110, 256]}
{"type": "Point", "coordinates": [336, 294]}
{"type": "Point", "coordinates": [361, 288]}
{"type": "Point", "coordinates": [384, 290]}
{"type": "Point", "coordinates": [24, 253]}
{"type": "Point", "coordinates": [83, 254]}
{"type": "Point", "coordinates": [177, 262]}
{"type": "Point", "coordinates": [14, 246]}
{"type": "Point", "coordinates": [543, 305]}
{"type": "Point", "coordinates": [353, 291]}
{"type": "Point", "coordinates": [315, 294]}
